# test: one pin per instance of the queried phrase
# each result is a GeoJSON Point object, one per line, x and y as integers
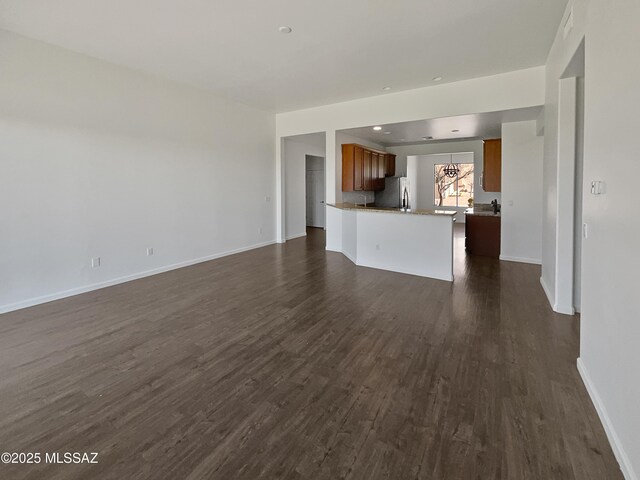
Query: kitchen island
{"type": "Point", "coordinates": [418, 242]}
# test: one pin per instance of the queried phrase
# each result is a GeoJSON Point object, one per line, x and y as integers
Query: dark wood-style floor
{"type": "Point", "coordinates": [289, 362]}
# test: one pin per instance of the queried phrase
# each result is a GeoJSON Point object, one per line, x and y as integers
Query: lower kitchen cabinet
{"type": "Point", "coordinates": [482, 235]}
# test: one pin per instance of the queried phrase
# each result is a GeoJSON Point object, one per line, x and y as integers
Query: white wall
{"type": "Point", "coordinates": [351, 197]}
{"type": "Point", "coordinates": [505, 91]}
{"type": "Point", "coordinates": [295, 151]}
{"type": "Point", "coordinates": [99, 160]}
{"type": "Point", "coordinates": [474, 146]}
{"type": "Point", "coordinates": [610, 326]}
{"type": "Point", "coordinates": [422, 179]}
{"type": "Point", "coordinates": [521, 223]}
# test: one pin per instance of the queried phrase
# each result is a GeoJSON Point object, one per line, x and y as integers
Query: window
{"type": "Point", "coordinates": [453, 191]}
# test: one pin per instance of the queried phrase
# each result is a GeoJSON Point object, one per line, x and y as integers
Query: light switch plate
{"type": "Point", "coordinates": [597, 187]}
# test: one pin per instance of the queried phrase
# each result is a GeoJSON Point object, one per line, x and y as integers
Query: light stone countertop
{"type": "Point", "coordinates": [361, 208]}
{"type": "Point", "coordinates": [482, 213]}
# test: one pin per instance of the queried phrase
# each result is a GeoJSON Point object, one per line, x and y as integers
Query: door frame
{"type": "Point", "coordinates": [281, 175]}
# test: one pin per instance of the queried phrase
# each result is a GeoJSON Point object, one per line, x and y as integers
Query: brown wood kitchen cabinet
{"type": "Point", "coordinates": [366, 175]}
{"type": "Point", "coordinates": [482, 235]}
{"type": "Point", "coordinates": [378, 171]}
{"type": "Point", "coordinates": [492, 166]}
{"type": "Point", "coordinates": [390, 165]}
{"type": "Point", "coordinates": [375, 157]}
{"type": "Point", "coordinates": [364, 169]}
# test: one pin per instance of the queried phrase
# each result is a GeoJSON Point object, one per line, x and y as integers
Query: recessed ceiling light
{"type": "Point", "coordinates": [386, 89]}
{"type": "Point", "coordinates": [427, 138]}
{"type": "Point", "coordinates": [437, 79]}
{"type": "Point", "coordinates": [285, 29]}
{"type": "Point", "coordinates": [402, 140]}
{"type": "Point", "coordinates": [377, 129]}
{"type": "Point", "coordinates": [455, 130]}
{"type": "Point", "coordinates": [387, 133]}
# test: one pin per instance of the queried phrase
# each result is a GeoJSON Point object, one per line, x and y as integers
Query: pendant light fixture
{"type": "Point", "coordinates": [451, 170]}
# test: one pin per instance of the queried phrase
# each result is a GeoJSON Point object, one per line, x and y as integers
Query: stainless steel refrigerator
{"type": "Point", "coordinates": [396, 193]}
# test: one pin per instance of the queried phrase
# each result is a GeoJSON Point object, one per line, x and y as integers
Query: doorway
{"type": "Point", "coordinates": [300, 192]}
{"type": "Point", "coordinates": [315, 191]}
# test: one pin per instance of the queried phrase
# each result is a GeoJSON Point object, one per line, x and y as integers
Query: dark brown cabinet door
{"type": "Point", "coordinates": [492, 171]}
{"type": "Point", "coordinates": [367, 170]}
{"type": "Point", "coordinates": [377, 170]}
{"type": "Point", "coordinates": [358, 177]}
{"type": "Point", "coordinates": [352, 168]}
{"type": "Point", "coordinates": [390, 165]}
{"type": "Point", "coordinates": [482, 235]}
{"type": "Point", "coordinates": [381, 171]}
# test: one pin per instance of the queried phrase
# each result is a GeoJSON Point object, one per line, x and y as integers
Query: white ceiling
{"type": "Point", "coordinates": [339, 50]}
{"type": "Point", "coordinates": [476, 126]}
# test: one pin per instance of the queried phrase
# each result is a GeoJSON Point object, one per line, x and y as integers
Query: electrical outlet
{"type": "Point", "coordinates": [267, 199]}
{"type": "Point", "coordinates": [585, 230]}
{"type": "Point", "coordinates": [149, 252]}
{"type": "Point", "coordinates": [259, 230]}
{"type": "Point", "coordinates": [95, 262]}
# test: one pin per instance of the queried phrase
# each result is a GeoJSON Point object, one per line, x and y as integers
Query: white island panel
{"type": "Point", "coordinates": [333, 218]}
{"type": "Point", "coordinates": [415, 244]}
{"type": "Point", "coordinates": [350, 235]}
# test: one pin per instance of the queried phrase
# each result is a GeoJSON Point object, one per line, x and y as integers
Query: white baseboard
{"type": "Point", "coordinates": [547, 291]}
{"type": "Point", "coordinates": [296, 235]}
{"type": "Point", "coordinates": [614, 440]}
{"type": "Point", "coordinates": [389, 269]}
{"type": "Point", "coordinates": [127, 278]}
{"type": "Point", "coordinates": [564, 309]}
{"type": "Point", "coordinates": [533, 261]}
{"type": "Point", "coordinates": [404, 271]}
{"type": "Point", "coordinates": [350, 257]}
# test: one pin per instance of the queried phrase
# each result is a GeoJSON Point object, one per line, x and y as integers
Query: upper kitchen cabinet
{"type": "Point", "coordinates": [364, 168]}
{"type": "Point", "coordinates": [352, 168]}
{"type": "Point", "coordinates": [492, 169]}
{"type": "Point", "coordinates": [378, 170]}
{"type": "Point", "coordinates": [390, 165]}
{"type": "Point", "coordinates": [367, 180]}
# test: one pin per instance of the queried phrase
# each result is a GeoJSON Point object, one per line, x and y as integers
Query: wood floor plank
{"type": "Point", "coordinates": [289, 362]}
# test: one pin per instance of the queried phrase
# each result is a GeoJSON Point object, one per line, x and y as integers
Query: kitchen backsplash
{"type": "Point", "coordinates": [357, 197]}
